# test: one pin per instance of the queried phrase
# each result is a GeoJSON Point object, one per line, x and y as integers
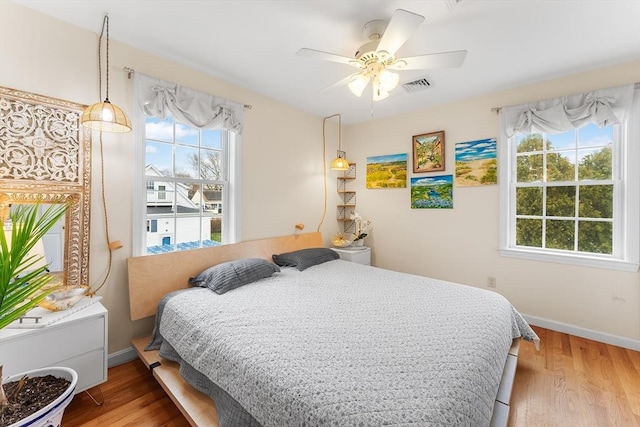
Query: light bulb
{"type": "Point", "coordinates": [388, 80]}
{"type": "Point", "coordinates": [357, 85]}
{"type": "Point", "coordinates": [107, 112]}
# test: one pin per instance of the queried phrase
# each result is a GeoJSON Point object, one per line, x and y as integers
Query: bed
{"type": "Point", "coordinates": [335, 344]}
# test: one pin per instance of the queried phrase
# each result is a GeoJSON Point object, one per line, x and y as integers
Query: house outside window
{"type": "Point", "coordinates": [571, 196]}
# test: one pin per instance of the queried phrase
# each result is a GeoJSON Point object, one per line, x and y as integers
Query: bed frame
{"type": "Point", "coordinates": [153, 276]}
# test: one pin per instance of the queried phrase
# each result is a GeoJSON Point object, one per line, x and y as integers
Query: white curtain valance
{"type": "Point", "coordinates": [603, 107]}
{"type": "Point", "coordinates": [159, 98]}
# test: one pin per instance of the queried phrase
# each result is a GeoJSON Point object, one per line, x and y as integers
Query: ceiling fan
{"type": "Point", "coordinates": [376, 58]}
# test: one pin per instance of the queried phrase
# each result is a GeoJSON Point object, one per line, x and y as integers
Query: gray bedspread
{"type": "Point", "coordinates": [341, 344]}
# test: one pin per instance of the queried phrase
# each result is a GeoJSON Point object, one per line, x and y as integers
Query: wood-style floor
{"type": "Point", "coordinates": [570, 382]}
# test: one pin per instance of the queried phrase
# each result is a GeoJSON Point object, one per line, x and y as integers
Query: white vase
{"type": "Point", "coordinates": [50, 415]}
{"type": "Point", "coordinates": [359, 242]}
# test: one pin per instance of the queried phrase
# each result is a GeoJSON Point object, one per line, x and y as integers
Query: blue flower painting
{"type": "Point", "coordinates": [432, 192]}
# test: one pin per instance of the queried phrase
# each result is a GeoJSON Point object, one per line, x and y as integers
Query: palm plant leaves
{"type": "Point", "coordinates": [20, 284]}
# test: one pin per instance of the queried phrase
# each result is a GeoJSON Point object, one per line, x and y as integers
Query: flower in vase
{"type": "Point", "coordinates": [362, 226]}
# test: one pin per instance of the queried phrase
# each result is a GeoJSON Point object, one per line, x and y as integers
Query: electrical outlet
{"type": "Point", "coordinates": [491, 282]}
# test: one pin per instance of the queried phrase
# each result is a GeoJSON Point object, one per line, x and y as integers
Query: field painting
{"type": "Point", "coordinates": [432, 192]}
{"type": "Point", "coordinates": [389, 171]}
{"type": "Point", "coordinates": [476, 163]}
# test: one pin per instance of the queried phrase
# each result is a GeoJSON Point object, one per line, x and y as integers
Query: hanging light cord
{"type": "Point", "coordinates": [106, 220]}
{"type": "Point", "coordinates": [324, 161]}
{"type": "Point", "coordinates": [105, 22]}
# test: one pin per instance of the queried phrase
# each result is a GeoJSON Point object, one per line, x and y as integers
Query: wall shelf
{"type": "Point", "coordinates": [347, 198]}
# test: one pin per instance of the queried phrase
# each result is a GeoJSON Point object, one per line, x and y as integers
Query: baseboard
{"type": "Point", "coordinates": [122, 356]}
{"type": "Point", "coordinates": [583, 332]}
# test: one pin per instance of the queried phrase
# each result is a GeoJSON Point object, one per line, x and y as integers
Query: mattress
{"type": "Point", "coordinates": [342, 344]}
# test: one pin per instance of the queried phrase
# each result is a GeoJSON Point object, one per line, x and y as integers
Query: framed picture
{"type": "Point", "coordinates": [432, 192]}
{"type": "Point", "coordinates": [476, 163]}
{"type": "Point", "coordinates": [388, 171]}
{"type": "Point", "coordinates": [428, 152]}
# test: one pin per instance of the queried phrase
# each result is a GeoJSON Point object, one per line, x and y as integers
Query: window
{"type": "Point", "coordinates": [571, 195]}
{"type": "Point", "coordinates": [188, 168]}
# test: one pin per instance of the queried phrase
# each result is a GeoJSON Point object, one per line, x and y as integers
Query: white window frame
{"type": "Point", "coordinates": [626, 173]}
{"type": "Point", "coordinates": [231, 193]}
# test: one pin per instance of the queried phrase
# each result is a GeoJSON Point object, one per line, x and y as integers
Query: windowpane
{"type": "Point", "coordinates": [529, 232]}
{"type": "Point", "coordinates": [160, 130]}
{"type": "Point", "coordinates": [160, 156]}
{"type": "Point", "coordinates": [211, 165]}
{"type": "Point", "coordinates": [186, 162]}
{"type": "Point", "coordinates": [561, 201]}
{"type": "Point", "coordinates": [212, 139]}
{"type": "Point", "coordinates": [530, 168]}
{"type": "Point", "coordinates": [562, 141]}
{"type": "Point", "coordinates": [592, 135]}
{"type": "Point", "coordinates": [560, 234]}
{"type": "Point", "coordinates": [561, 166]}
{"type": "Point", "coordinates": [595, 163]}
{"type": "Point", "coordinates": [596, 201]}
{"type": "Point", "coordinates": [186, 135]}
{"type": "Point", "coordinates": [529, 201]}
{"type": "Point", "coordinates": [529, 143]}
{"type": "Point", "coordinates": [595, 237]}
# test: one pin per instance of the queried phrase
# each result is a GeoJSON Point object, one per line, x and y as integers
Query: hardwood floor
{"type": "Point", "coordinates": [571, 381]}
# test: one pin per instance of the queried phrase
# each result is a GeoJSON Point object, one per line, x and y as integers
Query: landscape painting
{"type": "Point", "coordinates": [432, 192]}
{"type": "Point", "coordinates": [476, 163]}
{"type": "Point", "coordinates": [388, 171]}
{"type": "Point", "coordinates": [428, 152]}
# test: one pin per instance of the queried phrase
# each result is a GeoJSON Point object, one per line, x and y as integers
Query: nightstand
{"type": "Point", "coordinates": [359, 255]}
{"type": "Point", "coordinates": [78, 341]}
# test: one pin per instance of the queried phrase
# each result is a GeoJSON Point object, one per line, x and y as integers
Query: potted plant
{"type": "Point", "coordinates": [362, 228]}
{"type": "Point", "coordinates": [22, 286]}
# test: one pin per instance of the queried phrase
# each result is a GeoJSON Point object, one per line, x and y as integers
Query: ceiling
{"type": "Point", "coordinates": [252, 43]}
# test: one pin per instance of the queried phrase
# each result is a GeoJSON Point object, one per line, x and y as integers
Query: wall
{"type": "Point", "coordinates": [44, 55]}
{"type": "Point", "coordinates": [461, 245]}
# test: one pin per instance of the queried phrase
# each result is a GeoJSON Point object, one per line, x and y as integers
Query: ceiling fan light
{"type": "Point", "coordinates": [388, 80]}
{"type": "Point", "coordinates": [357, 85]}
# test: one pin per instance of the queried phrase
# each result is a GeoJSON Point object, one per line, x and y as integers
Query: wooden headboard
{"type": "Point", "coordinates": [153, 276]}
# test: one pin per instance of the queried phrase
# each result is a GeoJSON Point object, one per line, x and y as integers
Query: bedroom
{"type": "Point", "coordinates": [44, 55]}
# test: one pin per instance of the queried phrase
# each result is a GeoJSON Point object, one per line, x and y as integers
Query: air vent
{"type": "Point", "coordinates": [417, 85]}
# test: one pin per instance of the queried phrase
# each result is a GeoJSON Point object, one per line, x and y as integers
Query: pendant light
{"type": "Point", "coordinates": [340, 163]}
{"type": "Point", "coordinates": [105, 116]}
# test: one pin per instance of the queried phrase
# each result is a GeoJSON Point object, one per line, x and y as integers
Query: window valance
{"type": "Point", "coordinates": [555, 115]}
{"type": "Point", "coordinates": [160, 98]}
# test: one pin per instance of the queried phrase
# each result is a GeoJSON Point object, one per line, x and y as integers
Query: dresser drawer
{"type": "Point", "coordinates": [50, 345]}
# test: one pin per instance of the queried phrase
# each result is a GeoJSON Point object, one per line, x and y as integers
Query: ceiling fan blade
{"type": "Point", "coordinates": [339, 83]}
{"type": "Point", "coordinates": [325, 56]}
{"type": "Point", "coordinates": [403, 23]}
{"type": "Point", "coordinates": [434, 60]}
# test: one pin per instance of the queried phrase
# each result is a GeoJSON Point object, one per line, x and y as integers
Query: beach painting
{"type": "Point", "coordinates": [432, 192]}
{"type": "Point", "coordinates": [476, 163]}
{"type": "Point", "coordinates": [389, 171]}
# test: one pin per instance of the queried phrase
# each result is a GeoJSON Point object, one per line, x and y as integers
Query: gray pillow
{"type": "Point", "coordinates": [305, 258]}
{"type": "Point", "coordinates": [233, 274]}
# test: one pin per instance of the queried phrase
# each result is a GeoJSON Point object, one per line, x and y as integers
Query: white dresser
{"type": "Point", "coordinates": [359, 255]}
{"type": "Point", "coordinates": [78, 341]}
